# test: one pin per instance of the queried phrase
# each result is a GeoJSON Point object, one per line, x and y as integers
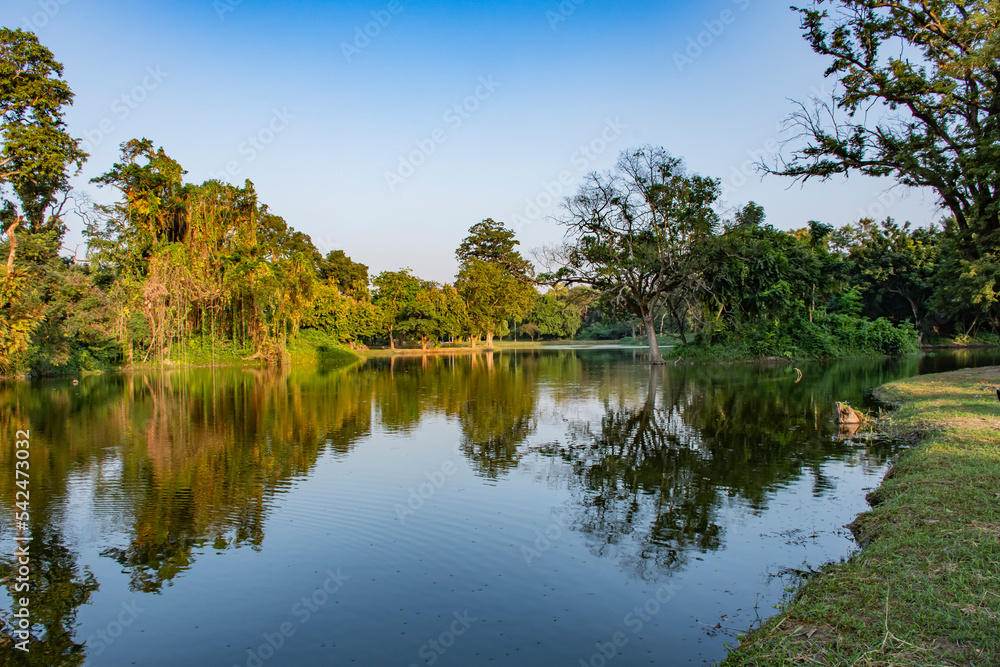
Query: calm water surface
{"type": "Point", "coordinates": [562, 507]}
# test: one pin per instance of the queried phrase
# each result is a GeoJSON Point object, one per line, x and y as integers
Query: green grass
{"type": "Point", "coordinates": [307, 347]}
{"type": "Point", "coordinates": [202, 351]}
{"type": "Point", "coordinates": [665, 340]}
{"type": "Point", "coordinates": [983, 339]}
{"type": "Point", "coordinates": [313, 347]}
{"type": "Point", "coordinates": [926, 588]}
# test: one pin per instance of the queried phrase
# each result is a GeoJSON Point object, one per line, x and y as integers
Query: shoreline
{"type": "Point", "coordinates": [924, 588]}
{"type": "Point", "coordinates": [344, 355]}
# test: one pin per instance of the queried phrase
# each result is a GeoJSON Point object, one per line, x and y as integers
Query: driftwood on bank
{"type": "Point", "coordinates": [847, 415]}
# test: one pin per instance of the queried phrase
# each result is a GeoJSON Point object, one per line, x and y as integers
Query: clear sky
{"type": "Point", "coordinates": [387, 129]}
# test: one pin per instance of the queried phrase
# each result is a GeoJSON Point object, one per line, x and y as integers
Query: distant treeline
{"type": "Point", "coordinates": [173, 266]}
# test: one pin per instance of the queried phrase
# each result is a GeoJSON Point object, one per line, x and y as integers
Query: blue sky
{"type": "Point", "coordinates": [387, 129]}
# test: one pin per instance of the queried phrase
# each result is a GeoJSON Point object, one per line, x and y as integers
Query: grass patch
{"type": "Point", "coordinates": [666, 340]}
{"type": "Point", "coordinates": [311, 346]}
{"type": "Point", "coordinates": [926, 588]}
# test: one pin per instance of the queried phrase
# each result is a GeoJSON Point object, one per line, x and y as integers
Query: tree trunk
{"type": "Point", "coordinates": [12, 240]}
{"type": "Point", "coordinates": [392, 343]}
{"type": "Point", "coordinates": [680, 326]}
{"type": "Point", "coordinates": [489, 339]}
{"type": "Point", "coordinates": [916, 320]}
{"type": "Point", "coordinates": [654, 347]}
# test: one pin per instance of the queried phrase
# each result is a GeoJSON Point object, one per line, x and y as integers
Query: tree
{"type": "Point", "coordinates": [435, 311]}
{"type": "Point", "coordinates": [351, 277]}
{"type": "Point", "coordinates": [558, 314]}
{"type": "Point", "coordinates": [635, 235]}
{"type": "Point", "coordinates": [395, 295]}
{"type": "Point", "coordinates": [891, 262]}
{"type": "Point", "coordinates": [495, 281]}
{"type": "Point", "coordinates": [750, 258]}
{"type": "Point", "coordinates": [930, 69]}
{"type": "Point", "coordinates": [967, 290]}
{"type": "Point", "coordinates": [37, 151]}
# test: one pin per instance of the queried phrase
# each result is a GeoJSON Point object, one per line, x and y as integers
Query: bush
{"type": "Point", "coordinates": [602, 331]}
{"type": "Point", "coordinates": [827, 336]}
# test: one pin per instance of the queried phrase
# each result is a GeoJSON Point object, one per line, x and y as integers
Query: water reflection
{"type": "Point", "coordinates": [171, 464]}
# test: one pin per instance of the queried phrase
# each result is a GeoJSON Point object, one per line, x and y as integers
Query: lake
{"type": "Point", "coordinates": [540, 507]}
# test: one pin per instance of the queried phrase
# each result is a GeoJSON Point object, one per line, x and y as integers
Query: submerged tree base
{"type": "Point", "coordinates": [924, 590]}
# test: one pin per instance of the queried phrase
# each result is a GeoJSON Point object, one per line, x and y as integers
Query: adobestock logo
{"type": "Point", "coordinates": [363, 35]}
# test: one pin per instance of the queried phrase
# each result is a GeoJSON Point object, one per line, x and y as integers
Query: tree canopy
{"type": "Point", "coordinates": [918, 100]}
{"type": "Point", "coordinates": [495, 281]}
{"type": "Point", "coordinates": [634, 232]}
{"type": "Point", "coordinates": [37, 150]}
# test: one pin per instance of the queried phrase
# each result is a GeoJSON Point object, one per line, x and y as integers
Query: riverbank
{"type": "Point", "coordinates": [925, 589]}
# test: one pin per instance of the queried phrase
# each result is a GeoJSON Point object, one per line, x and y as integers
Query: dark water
{"type": "Point", "coordinates": [560, 507]}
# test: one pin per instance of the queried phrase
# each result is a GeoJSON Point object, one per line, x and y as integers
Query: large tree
{"type": "Point", "coordinates": [36, 153]}
{"type": "Point", "coordinates": [495, 281]}
{"type": "Point", "coordinates": [634, 235]}
{"type": "Point", "coordinates": [918, 100]}
{"type": "Point", "coordinates": [396, 296]}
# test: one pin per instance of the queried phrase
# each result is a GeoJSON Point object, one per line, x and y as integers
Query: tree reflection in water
{"type": "Point", "coordinates": [175, 463]}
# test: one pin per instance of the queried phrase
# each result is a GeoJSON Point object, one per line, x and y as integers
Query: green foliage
{"type": "Point", "coordinates": [605, 331]}
{"type": "Point", "coordinates": [36, 151]}
{"type": "Point", "coordinates": [436, 311]}
{"type": "Point", "coordinates": [637, 234]}
{"type": "Point", "coordinates": [826, 336]}
{"type": "Point", "coordinates": [558, 313]}
{"type": "Point", "coordinates": [18, 320]}
{"type": "Point", "coordinates": [316, 347]}
{"type": "Point", "coordinates": [753, 270]}
{"type": "Point", "coordinates": [495, 281]}
{"type": "Point", "coordinates": [893, 266]}
{"type": "Point", "coordinates": [395, 295]}
{"type": "Point", "coordinates": [917, 100]}
{"type": "Point", "coordinates": [349, 276]}
{"type": "Point", "coordinates": [209, 259]}
{"type": "Point", "coordinates": [347, 319]}
{"type": "Point", "coordinates": [967, 289]}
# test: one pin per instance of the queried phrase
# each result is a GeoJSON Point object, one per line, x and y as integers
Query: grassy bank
{"type": "Point", "coordinates": [452, 348]}
{"type": "Point", "coordinates": [307, 347]}
{"type": "Point", "coordinates": [926, 588]}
